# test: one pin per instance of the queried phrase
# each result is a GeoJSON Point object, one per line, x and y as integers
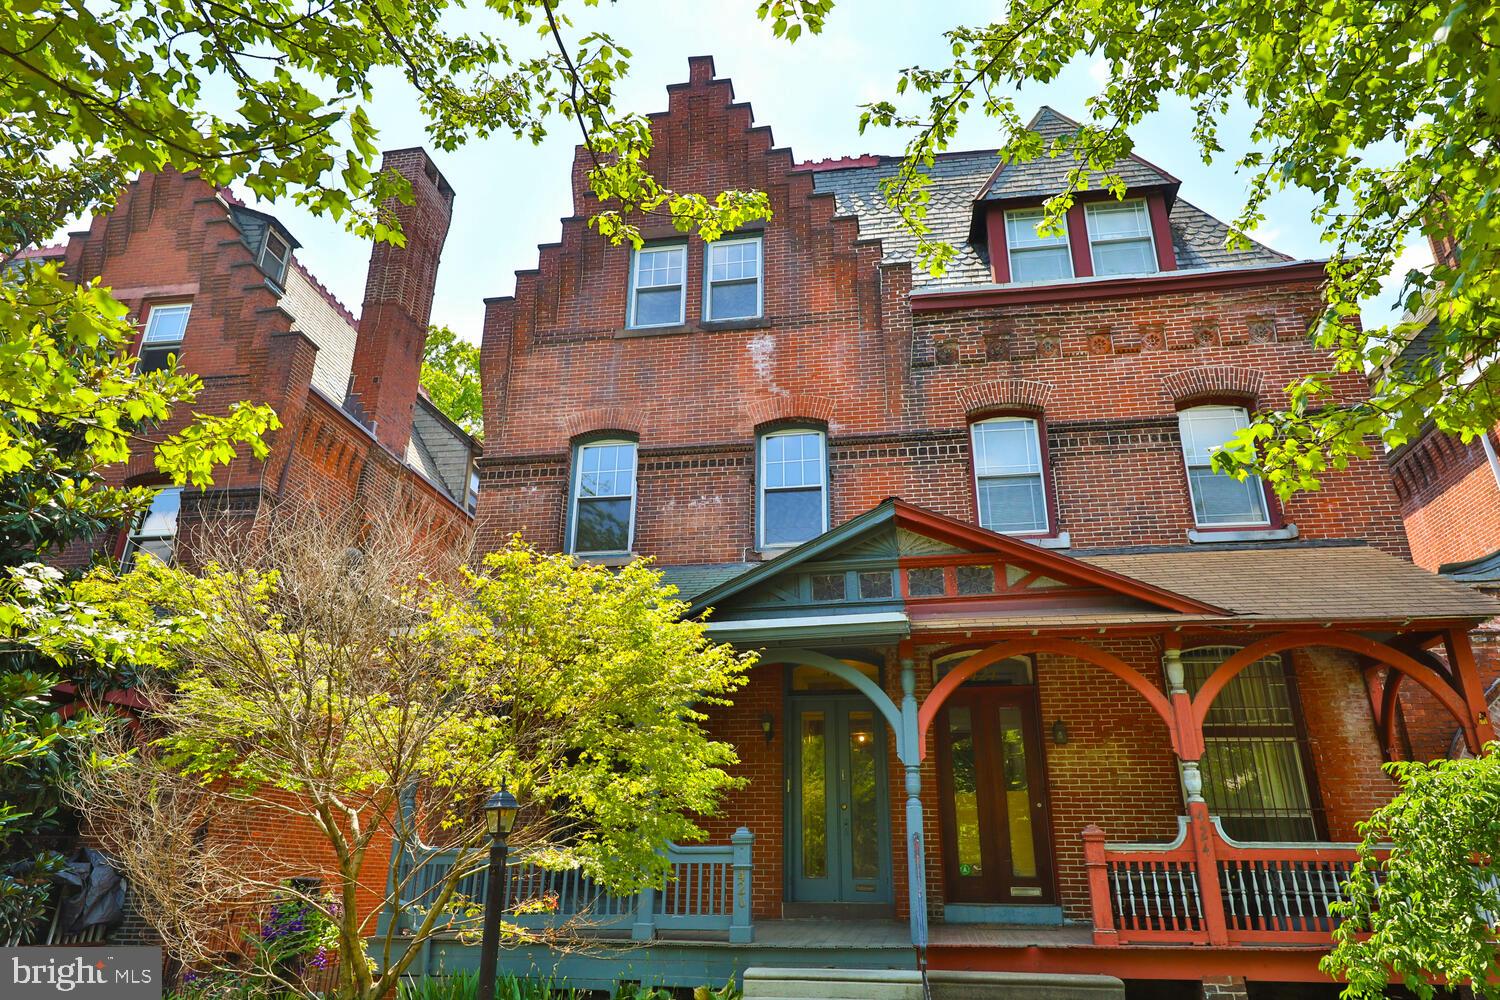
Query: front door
{"type": "Point", "coordinates": [838, 836]}
{"type": "Point", "coordinates": [996, 845]}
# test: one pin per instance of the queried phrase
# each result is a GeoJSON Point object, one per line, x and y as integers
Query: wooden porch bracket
{"type": "Point", "coordinates": [1466, 676]}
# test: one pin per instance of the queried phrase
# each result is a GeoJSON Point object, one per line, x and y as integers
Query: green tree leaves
{"type": "Point", "coordinates": [450, 374]}
{"type": "Point", "coordinates": [1385, 109]}
{"type": "Point", "coordinates": [1426, 911]}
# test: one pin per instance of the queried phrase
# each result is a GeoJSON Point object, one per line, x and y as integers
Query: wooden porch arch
{"type": "Point", "coordinates": [1393, 658]}
{"type": "Point", "coordinates": [1018, 647]}
{"type": "Point", "coordinates": [863, 684]}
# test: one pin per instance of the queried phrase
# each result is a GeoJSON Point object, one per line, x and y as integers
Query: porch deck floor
{"type": "Point", "coordinates": [895, 935]}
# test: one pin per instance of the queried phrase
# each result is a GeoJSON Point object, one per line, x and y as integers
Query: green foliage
{"type": "Point", "coordinates": [376, 695]}
{"type": "Point", "coordinates": [1385, 110]}
{"type": "Point", "coordinates": [1428, 910]}
{"type": "Point", "coordinates": [450, 374]}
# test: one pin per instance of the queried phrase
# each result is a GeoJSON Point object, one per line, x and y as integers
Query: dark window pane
{"type": "Point", "coordinates": [864, 818]}
{"type": "Point", "coordinates": [155, 358]}
{"type": "Point", "coordinates": [974, 580]}
{"type": "Point", "coordinates": [792, 516]}
{"type": "Point", "coordinates": [875, 584]}
{"type": "Point", "coordinates": [734, 301]}
{"type": "Point", "coordinates": [814, 797]}
{"type": "Point", "coordinates": [658, 308]}
{"type": "Point", "coordinates": [965, 792]}
{"type": "Point", "coordinates": [603, 526]}
{"type": "Point", "coordinates": [828, 586]}
{"type": "Point", "coordinates": [925, 582]}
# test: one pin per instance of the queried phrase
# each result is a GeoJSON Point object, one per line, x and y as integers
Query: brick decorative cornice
{"type": "Point", "coordinates": [603, 418]}
{"type": "Point", "coordinates": [1005, 393]}
{"type": "Point", "coordinates": [791, 406]}
{"type": "Point", "coordinates": [1212, 381]}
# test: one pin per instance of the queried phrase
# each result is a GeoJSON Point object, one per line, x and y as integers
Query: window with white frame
{"type": "Point", "coordinates": [657, 284]}
{"type": "Point", "coordinates": [604, 498]}
{"type": "Point", "coordinates": [156, 530]}
{"type": "Point", "coordinates": [1120, 237]}
{"type": "Point", "coordinates": [1034, 257]}
{"type": "Point", "coordinates": [1219, 499]}
{"type": "Point", "coordinates": [732, 286]}
{"type": "Point", "coordinates": [274, 256]}
{"type": "Point", "coordinates": [165, 326]}
{"type": "Point", "coordinates": [1008, 475]}
{"type": "Point", "coordinates": [793, 491]}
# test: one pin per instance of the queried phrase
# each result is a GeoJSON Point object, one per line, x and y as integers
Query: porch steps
{"type": "Point", "coordinates": [903, 984]}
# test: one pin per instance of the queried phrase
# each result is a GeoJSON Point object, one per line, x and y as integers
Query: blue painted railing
{"type": "Point", "coordinates": [708, 890]}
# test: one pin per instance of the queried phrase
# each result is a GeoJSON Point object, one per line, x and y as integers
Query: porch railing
{"type": "Point", "coordinates": [1204, 888]}
{"type": "Point", "coordinates": [708, 891]}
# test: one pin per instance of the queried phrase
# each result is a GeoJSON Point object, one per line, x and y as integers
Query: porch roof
{"type": "Point", "coordinates": [1307, 582]}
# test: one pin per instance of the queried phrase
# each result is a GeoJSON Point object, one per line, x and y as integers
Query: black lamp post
{"type": "Point", "coordinates": [499, 817]}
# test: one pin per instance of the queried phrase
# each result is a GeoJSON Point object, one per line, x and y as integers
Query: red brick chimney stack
{"type": "Point", "coordinates": [398, 302]}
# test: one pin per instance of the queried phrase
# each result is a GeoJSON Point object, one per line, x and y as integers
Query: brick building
{"type": "Point", "coordinates": [1028, 663]}
{"type": "Point", "coordinates": [1450, 502]}
{"type": "Point", "coordinates": [218, 284]}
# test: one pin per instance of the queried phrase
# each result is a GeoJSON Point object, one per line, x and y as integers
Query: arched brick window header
{"type": "Point", "coordinates": [1218, 383]}
{"type": "Point", "coordinates": [1004, 394]}
{"type": "Point", "coordinates": [795, 407]}
{"type": "Point", "coordinates": [603, 420]}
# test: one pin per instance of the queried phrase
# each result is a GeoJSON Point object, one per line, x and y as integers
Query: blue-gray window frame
{"type": "Point", "coordinates": [760, 480]}
{"type": "Point", "coordinates": [760, 277]}
{"type": "Point", "coordinates": [575, 473]}
{"type": "Point", "coordinates": [630, 323]}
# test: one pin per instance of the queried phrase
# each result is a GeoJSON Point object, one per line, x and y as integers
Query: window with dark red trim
{"type": "Point", "coordinates": [1010, 475]}
{"type": "Point", "coordinates": [1219, 499]}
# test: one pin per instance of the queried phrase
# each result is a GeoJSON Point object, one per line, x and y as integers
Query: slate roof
{"type": "Point", "coordinates": [960, 178]}
{"type": "Point", "coordinates": [699, 578]}
{"type": "Point", "coordinates": [1484, 571]}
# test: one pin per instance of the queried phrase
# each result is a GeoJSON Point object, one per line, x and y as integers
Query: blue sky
{"type": "Point", "coordinates": [511, 194]}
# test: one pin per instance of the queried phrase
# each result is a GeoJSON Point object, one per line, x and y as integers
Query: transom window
{"type": "Point", "coordinates": [1008, 475]}
{"type": "Point", "coordinates": [1254, 760]}
{"type": "Point", "coordinates": [656, 285]}
{"type": "Point", "coordinates": [1219, 499]}
{"type": "Point", "coordinates": [1034, 257]}
{"type": "Point", "coordinates": [156, 530]}
{"type": "Point", "coordinates": [165, 327]}
{"type": "Point", "coordinates": [604, 498]}
{"type": "Point", "coordinates": [733, 286]}
{"type": "Point", "coordinates": [793, 495]}
{"type": "Point", "coordinates": [1120, 237]}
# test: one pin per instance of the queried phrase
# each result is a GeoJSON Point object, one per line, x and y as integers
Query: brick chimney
{"type": "Point", "coordinates": [398, 303]}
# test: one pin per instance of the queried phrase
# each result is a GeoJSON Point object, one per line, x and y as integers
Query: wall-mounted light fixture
{"type": "Point", "coordinates": [1060, 733]}
{"type": "Point", "coordinates": [768, 725]}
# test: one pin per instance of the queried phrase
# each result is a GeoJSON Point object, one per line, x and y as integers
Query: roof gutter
{"type": "Point", "coordinates": [1202, 279]}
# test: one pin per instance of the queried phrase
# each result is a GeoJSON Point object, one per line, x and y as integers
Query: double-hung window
{"type": "Point", "coordinates": [1008, 475]}
{"type": "Point", "coordinates": [1254, 769]}
{"type": "Point", "coordinates": [165, 327]}
{"type": "Point", "coordinates": [1034, 257]}
{"type": "Point", "coordinates": [732, 289]}
{"type": "Point", "coordinates": [1219, 499]}
{"type": "Point", "coordinates": [156, 530]}
{"type": "Point", "coordinates": [658, 280]}
{"type": "Point", "coordinates": [793, 492]}
{"type": "Point", "coordinates": [1120, 237]}
{"type": "Point", "coordinates": [274, 256]}
{"type": "Point", "coordinates": [604, 498]}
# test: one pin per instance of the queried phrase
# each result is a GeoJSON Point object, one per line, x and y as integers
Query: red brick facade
{"type": "Point", "coordinates": [175, 239]}
{"type": "Point", "coordinates": [894, 368]}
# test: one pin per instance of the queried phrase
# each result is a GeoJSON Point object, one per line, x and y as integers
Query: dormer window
{"type": "Point", "coordinates": [274, 256]}
{"type": "Point", "coordinates": [1034, 257]}
{"type": "Point", "coordinates": [1120, 239]}
{"type": "Point", "coordinates": [657, 283]}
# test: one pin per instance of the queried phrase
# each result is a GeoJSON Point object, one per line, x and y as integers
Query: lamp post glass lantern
{"type": "Point", "coordinates": [499, 819]}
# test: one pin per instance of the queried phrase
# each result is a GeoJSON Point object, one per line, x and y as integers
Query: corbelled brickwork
{"type": "Point", "coordinates": [1449, 498]}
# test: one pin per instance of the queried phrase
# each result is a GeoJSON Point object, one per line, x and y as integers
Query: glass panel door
{"type": "Point", "coordinates": [838, 821]}
{"type": "Point", "coordinates": [996, 843]}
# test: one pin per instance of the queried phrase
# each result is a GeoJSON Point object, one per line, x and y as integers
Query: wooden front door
{"type": "Point", "coordinates": [997, 846]}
